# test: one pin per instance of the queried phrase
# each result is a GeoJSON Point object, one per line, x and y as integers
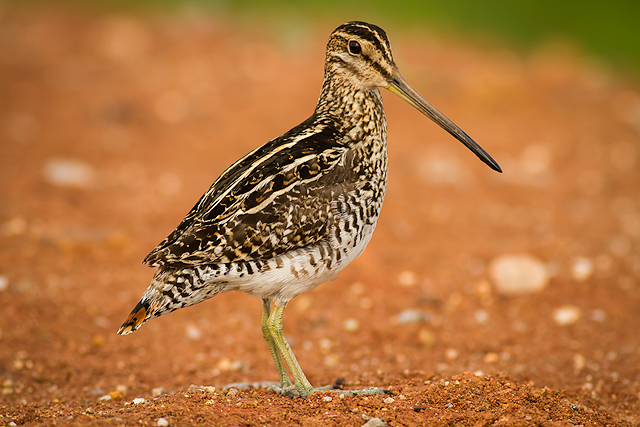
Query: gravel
{"type": "Point", "coordinates": [518, 274]}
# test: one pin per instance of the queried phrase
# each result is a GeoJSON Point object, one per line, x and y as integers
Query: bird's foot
{"type": "Point", "coordinates": [340, 382]}
{"type": "Point", "coordinates": [287, 390]}
{"type": "Point", "coordinates": [292, 391]}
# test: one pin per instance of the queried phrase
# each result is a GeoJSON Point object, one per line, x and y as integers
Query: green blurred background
{"type": "Point", "coordinates": [609, 31]}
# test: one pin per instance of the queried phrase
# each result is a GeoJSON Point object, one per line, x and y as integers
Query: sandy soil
{"type": "Point", "coordinates": [112, 126]}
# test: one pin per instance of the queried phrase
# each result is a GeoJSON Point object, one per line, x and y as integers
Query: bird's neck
{"type": "Point", "coordinates": [349, 105]}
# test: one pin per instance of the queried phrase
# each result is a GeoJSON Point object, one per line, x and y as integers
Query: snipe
{"type": "Point", "coordinates": [296, 211]}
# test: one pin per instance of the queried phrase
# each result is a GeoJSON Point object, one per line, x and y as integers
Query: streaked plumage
{"type": "Point", "coordinates": [294, 212]}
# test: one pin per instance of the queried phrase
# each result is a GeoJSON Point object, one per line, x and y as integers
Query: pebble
{"type": "Point", "coordinates": [579, 362]}
{"type": "Point", "coordinates": [105, 398]}
{"type": "Point", "coordinates": [90, 411]}
{"type": "Point", "coordinates": [375, 422]}
{"type": "Point", "coordinates": [389, 400]}
{"type": "Point", "coordinates": [409, 316]}
{"type": "Point", "coordinates": [451, 353]}
{"type": "Point", "coordinates": [4, 283]}
{"type": "Point", "coordinates": [581, 269]}
{"type": "Point", "coordinates": [115, 395]}
{"type": "Point", "coordinates": [481, 316]}
{"type": "Point", "coordinates": [138, 400]}
{"type": "Point", "coordinates": [69, 173]}
{"type": "Point", "coordinates": [327, 398]}
{"type": "Point", "coordinates": [162, 422]}
{"type": "Point", "coordinates": [193, 332]}
{"type": "Point", "coordinates": [491, 357]}
{"type": "Point", "coordinates": [566, 315]}
{"type": "Point", "coordinates": [351, 325]}
{"type": "Point", "coordinates": [518, 274]}
{"type": "Point", "coordinates": [426, 337]}
{"type": "Point", "coordinates": [407, 278]}
{"type": "Point", "coordinates": [158, 391]}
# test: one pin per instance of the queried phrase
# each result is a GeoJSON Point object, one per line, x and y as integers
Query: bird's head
{"type": "Point", "coordinates": [360, 53]}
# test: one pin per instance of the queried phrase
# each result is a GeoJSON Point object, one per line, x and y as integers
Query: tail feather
{"type": "Point", "coordinates": [140, 314]}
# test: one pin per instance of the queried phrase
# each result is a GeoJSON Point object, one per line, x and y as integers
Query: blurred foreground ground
{"type": "Point", "coordinates": [111, 127]}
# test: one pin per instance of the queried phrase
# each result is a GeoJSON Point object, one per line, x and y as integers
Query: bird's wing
{"type": "Point", "coordinates": [275, 199]}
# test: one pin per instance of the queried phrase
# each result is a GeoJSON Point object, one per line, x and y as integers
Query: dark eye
{"type": "Point", "coordinates": [354, 47]}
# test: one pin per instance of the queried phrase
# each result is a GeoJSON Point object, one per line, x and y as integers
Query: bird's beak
{"type": "Point", "coordinates": [403, 89]}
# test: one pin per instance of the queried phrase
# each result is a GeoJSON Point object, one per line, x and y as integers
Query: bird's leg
{"type": "Point", "coordinates": [275, 353]}
{"type": "Point", "coordinates": [274, 327]}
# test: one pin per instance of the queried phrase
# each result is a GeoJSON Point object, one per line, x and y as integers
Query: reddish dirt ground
{"type": "Point", "coordinates": [148, 111]}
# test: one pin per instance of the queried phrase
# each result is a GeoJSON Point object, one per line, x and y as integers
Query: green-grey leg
{"type": "Point", "coordinates": [274, 326]}
{"type": "Point", "coordinates": [280, 349]}
{"type": "Point", "coordinates": [273, 349]}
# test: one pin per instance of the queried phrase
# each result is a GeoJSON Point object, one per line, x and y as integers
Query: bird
{"type": "Point", "coordinates": [294, 212]}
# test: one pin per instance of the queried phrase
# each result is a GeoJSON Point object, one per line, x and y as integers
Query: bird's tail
{"type": "Point", "coordinates": [140, 314]}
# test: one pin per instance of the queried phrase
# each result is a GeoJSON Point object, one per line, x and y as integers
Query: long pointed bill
{"type": "Point", "coordinates": [403, 89]}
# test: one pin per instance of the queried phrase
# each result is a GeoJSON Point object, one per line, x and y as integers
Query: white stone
{"type": "Point", "coordinates": [581, 269]}
{"type": "Point", "coordinates": [69, 173]}
{"type": "Point", "coordinates": [409, 316]}
{"type": "Point", "coordinates": [407, 278]}
{"type": "Point", "coordinates": [375, 422]}
{"type": "Point", "coordinates": [162, 422]}
{"type": "Point", "coordinates": [518, 274]}
{"type": "Point", "coordinates": [566, 315]}
{"type": "Point", "coordinates": [193, 332]}
{"type": "Point", "coordinates": [139, 400]}
{"type": "Point", "coordinates": [351, 324]}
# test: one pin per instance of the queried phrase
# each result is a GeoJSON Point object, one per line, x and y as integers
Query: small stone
{"type": "Point", "coordinates": [426, 337]}
{"type": "Point", "coordinates": [481, 316]}
{"type": "Point", "coordinates": [491, 357]}
{"type": "Point", "coordinates": [331, 360]}
{"type": "Point", "coordinates": [325, 343]}
{"type": "Point", "coordinates": [193, 332]}
{"type": "Point", "coordinates": [579, 362]}
{"type": "Point", "coordinates": [231, 392]}
{"type": "Point", "coordinates": [375, 422]}
{"type": "Point", "coordinates": [69, 173]}
{"type": "Point", "coordinates": [581, 269]}
{"type": "Point", "coordinates": [138, 400]}
{"type": "Point", "coordinates": [407, 278]}
{"type": "Point", "coordinates": [12, 424]}
{"type": "Point", "coordinates": [14, 227]}
{"type": "Point", "coordinates": [90, 411]}
{"type": "Point", "coordinates": [566, 315]}
{"type": "Point", "coordinates": [389, 400]}
{"type": "Point", "coordinates": [598, 315]}
{"type": "Point", "coordinates": [410, 316]}
{"type": "Point", "coordinates": [4, 283]}
{"type": "Point", "coordinates": [158, 391]}
{"type": "Point", "coordinates": [115, 395]}
{"type": "Point", "coordinates": [162, 422]}
{"type": "Point", "coordinates": [327, 398]}
{"type": "Point", "coordinates": [518, 274]}
{"type": "Point", "coordinates": [105, 398]}
{"type": "Point", "coordinates": [451, 353]}
{"type": "Point", "coordinates": [351, 324]}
